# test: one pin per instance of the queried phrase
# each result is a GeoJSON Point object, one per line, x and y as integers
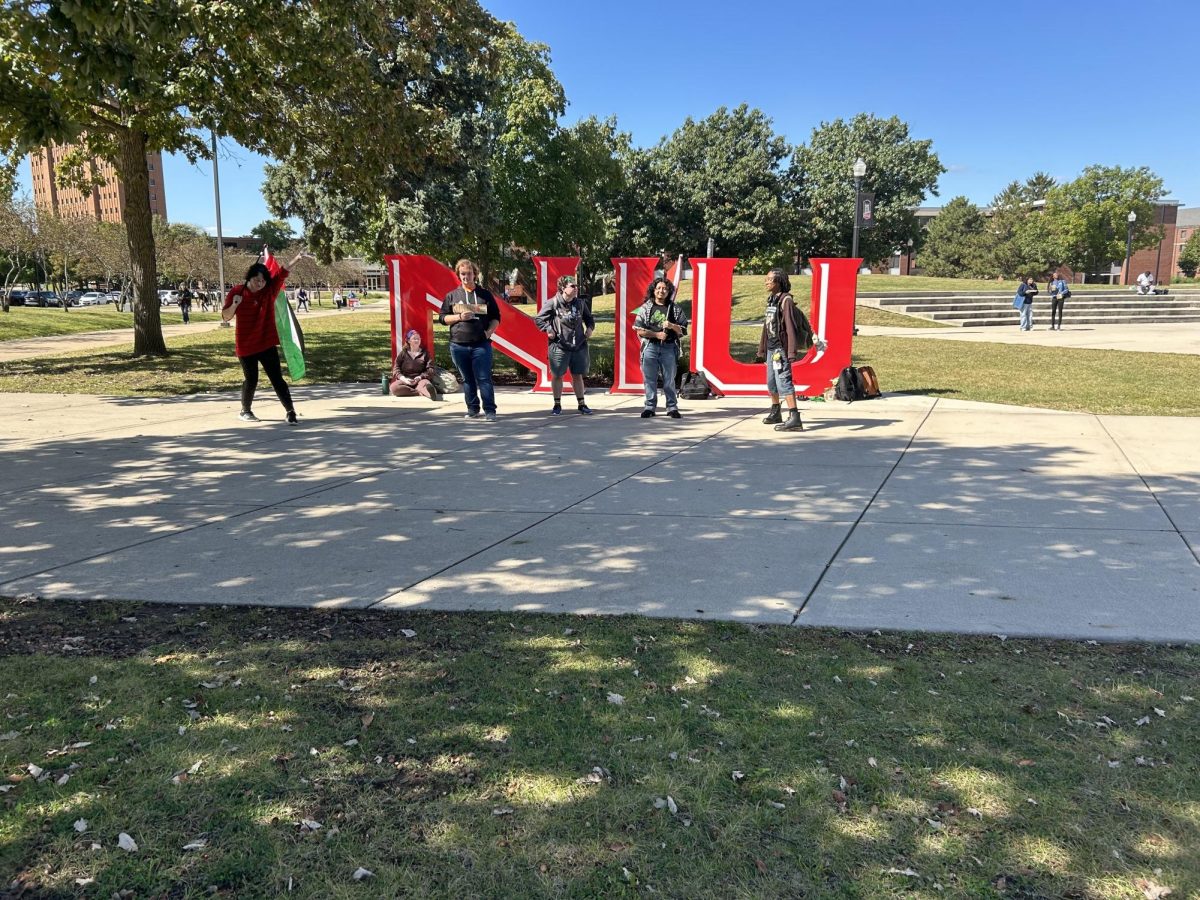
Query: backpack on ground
{"type": "Point", "coordinates": [695, 386]}
{"type": "Point", "coordinates": [870, 382]}
{"type": "Point", "coordinates": [849, 386]}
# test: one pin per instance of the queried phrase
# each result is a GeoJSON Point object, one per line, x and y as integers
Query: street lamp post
{"type": "Point", "coordinates": [1129, 242]}
{"type": "Point", "coordinates": [860, 169]}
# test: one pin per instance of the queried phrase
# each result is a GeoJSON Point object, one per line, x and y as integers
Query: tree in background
{"type": "Point", "coordinates": [128, 77]}
{"type": "Point", "coordinates": [1189, 256]}
{"type": "Point", "coordinates": [900, 170]}
{"type": "Point", "coordinates": [274, 233]}
{"type": "Point", "coordinates": [18, 244]}
{"type": "Point", "coordinates": [955, 243]}
{"type": "Point", "coordinates": [1021, 238]}
{"type": "Point", "coordinates": [1088, 216]}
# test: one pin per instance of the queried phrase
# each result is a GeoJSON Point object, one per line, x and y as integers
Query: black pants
{"type": "Point", "coordinates": [1056, 308]}
{"type": "Point", "coordinates": [271, 365]}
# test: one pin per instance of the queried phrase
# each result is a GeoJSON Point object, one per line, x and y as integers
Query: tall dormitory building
{"type": "Point", "coordinates": [105, 203]}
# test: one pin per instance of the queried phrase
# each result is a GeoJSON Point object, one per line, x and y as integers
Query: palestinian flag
{"type": "Point", "coordinates": [291, 337]}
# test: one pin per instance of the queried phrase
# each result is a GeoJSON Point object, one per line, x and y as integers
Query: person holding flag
{"type": "Point", "coordinates": [255, 305]}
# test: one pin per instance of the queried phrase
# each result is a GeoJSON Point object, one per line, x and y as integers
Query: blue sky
{"type": "Point", "coordinates": [1003, 90]}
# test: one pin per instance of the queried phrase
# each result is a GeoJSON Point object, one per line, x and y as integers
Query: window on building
{"type": "Point", "coordinates": [152, 181]}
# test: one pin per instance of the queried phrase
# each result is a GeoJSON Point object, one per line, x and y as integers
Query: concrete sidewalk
{"type": "Point", "coordinates": [906, 512]}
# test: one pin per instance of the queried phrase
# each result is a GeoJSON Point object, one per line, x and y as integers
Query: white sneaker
{"type": "Point", "coordinates": [490, 417]}
{"type": "Point", "coordinates": [247, 416]}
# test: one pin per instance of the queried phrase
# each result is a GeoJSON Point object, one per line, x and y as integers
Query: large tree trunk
{"type": "Point", "coordinates": [139, 233]}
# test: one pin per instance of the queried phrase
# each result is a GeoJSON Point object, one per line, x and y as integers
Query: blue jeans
{"type": "Point", "coordinates": [779, 381]}
{"type": "Point", "coordinates": [1026, 316]}
{"type": "Point", "coordinates": [474, 363]}
{"type": "Point", "coordinates": [664, 358]}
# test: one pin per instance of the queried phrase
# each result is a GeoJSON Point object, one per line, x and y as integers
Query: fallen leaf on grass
{"type": "Point", "coordinates": [309, 825]}
{"type": "Point", "coordinates": [502, 811]}
{"type": "Point", "coordinates": [894, 871]}
{"type": "Point", "coordinates": [408, 632]}
{"type": "Point", "coordinates": [360, 873]}
{"type": "Point", "coordinates": [872, 762]}
{"type": "Point", "coordinates": [1144, 720]}
{"type": "Point", "coordinates": [777, 804]}
{"type": "Point", "coordinates": [367, 720]}
{"type": "Point", "coordinates": [198, 844]}
{"type": "Point", "coordinates": [974, 812]}
{"type": "Point", "coordinates": [125, 842]}
{"type": "Point", "coordinates": [761, 866]}
{"type": "Point", "coordinates": [1160, 713]}
{"type": "Point", "coordinates": [738, 776]}
{"type": "Point", "coordinates": [84, 882]}
{"type": "Point", "coordinates": [35, 770]}
{"type": "Point", "coordinates": [1152, 890]}
{"type": "Point", "coordinates": [81, 825]}
{"type": "Point", "coordinates": [616, 699]}
{"type": "Point", "coordinates": [10, 736]}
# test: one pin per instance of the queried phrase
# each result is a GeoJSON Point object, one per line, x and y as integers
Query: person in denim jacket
{"type": "Point", "coordinates": [660, 324]}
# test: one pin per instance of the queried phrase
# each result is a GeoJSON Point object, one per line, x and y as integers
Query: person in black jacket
{"type": "Point", "coordinates": [660, 324]}
{"type": "Point", "coordinates": [473, 316]}
{"type": "Point", "coordinates": [568, 323]}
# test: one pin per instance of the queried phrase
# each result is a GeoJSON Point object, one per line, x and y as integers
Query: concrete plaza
{"type": "Point", "coordinates": [904, 512]}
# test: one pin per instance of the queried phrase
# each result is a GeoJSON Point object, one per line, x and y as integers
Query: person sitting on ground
{"type": "Point", "coordinates": [413, 372]}
{"type": "Point", "coordinates": [779, 347]}
{"type": "Point", "coordinates": [568, 323]}
{"type": "Point", "coordinates": [1145, 283]}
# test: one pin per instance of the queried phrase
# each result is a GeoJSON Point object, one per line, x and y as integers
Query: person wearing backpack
{"type": "Point", "coordinates": [568, 323]}
{"type": "Point", "coordinates": [1026, 291]}
{"type": "Point", "coordinates": [780, 345]}
{"type": "Point", "coordinates": [1059, 292]}
{"type": "Point", "coordinates": [660, 324]}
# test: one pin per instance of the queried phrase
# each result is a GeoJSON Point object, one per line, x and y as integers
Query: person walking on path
{"type": "Point", "coordinates": [1026, 291]}
{"type": "Point", "coordinates": [568, 323]}
{"type": "Point", "coordinates": [1059, 292]}
{"type": "Point", "coordinates": [413, 373]}
{"type": "Point", "coordinates": [302, 300]}
{"type": "Point", "coordinates": [660, 324]}
{"type": "Point", "coordinates": [256, 340]}
{"type": "Point", "coordinates": [185, 303]}
{"type": "Point", "coordinates": [779, 347]}
{"type": "Point", "coordinates": [473, 316]}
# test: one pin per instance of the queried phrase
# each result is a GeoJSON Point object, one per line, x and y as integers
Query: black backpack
{"type": "Point", "coordinates": [695, 386]}
{"type": "Point", "coordinates": [849, 386]}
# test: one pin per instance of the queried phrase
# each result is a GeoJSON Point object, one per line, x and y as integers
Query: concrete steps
{"type": "Point", "coordinates": [1083, 308]}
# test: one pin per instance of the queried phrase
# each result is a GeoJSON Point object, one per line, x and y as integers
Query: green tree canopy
{"type": "Point", "coordinates": [1089, 216]}
{"type": "Point", "coordinates": [274, 233]}
{"type": "Point", "coordinates": [955, 242]}
{"type": "Point", "coordinates": [901, 171]}
{"type": "Point", "coordinates": [130, 76]}
{"type": "Point", "coordinates": [1189, 256]}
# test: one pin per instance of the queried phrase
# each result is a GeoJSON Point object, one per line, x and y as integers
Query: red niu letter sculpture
{"type": "Point", "coordinates": [833, 290]}
{"type": "Point", "coordinates": [419, 283]}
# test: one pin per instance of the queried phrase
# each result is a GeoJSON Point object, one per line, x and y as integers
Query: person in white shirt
{"type": "Point", "coordinates": [1145, 283]}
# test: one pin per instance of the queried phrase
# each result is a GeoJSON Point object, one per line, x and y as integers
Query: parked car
{"type": "Point", "coordinates": [72, 297]}
{"type": "Point", "coordinates": [16, 297]}
{"type": "Point", "coordinates": [43, 298]}
{"type": "Point", "coordinates": [112, 297]}
{"type": "Point", "coordinates": [166, 298]}
{"type": "Point", "coordinates": [91, 298]}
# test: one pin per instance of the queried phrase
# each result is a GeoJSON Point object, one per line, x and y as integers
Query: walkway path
{"type": "Point", "coordinates": [906, 512]}
{"type": "Point", "coordinates": [1183, 337]}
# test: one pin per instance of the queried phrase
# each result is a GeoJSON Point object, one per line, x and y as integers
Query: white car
{"type": "Point", "coordinates": [166, 298]}
{"type": "Point", "coordinates": [91, 298]}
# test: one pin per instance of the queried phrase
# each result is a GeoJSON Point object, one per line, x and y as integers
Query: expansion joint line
{"type": "Point", "coordinates": [861, 515]}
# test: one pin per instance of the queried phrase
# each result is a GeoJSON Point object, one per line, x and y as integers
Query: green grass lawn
{"type": "Point", "coordinates": [262, 753]}
{"type": "Point", "coordinates": [31, 322]}
{"type": "Point", "coordinates": [355, 348]}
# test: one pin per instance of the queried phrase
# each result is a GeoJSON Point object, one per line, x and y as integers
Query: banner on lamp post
{"type": "Point", "coordinates": [866, 209]}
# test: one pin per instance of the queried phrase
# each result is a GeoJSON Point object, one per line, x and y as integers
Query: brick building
{"type": "Point", "coordinates": [105, 203]}
{"type": "Point", "coordinates": [1158, 260]}
{"type": "Point", "coordinates": [1187, 223]}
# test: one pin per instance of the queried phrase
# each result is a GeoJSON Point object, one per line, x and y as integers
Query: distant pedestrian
{"type": "Point", "coordinates": [1026, 291]}
{"type": "Point", "coordinates": [568, 323]}
{"type": "Point", "coordinates": [473, 316]}
{"type": "Point", "coordinates": [256, 340]}
{"type": "Point", "coordinates": [779, 347]}
{"type": "Point", "coordinates": [185, 303]}
{"type": "Point", "coordinates": [660, 324]}
{"type": "Point", "coordinates": [1059, 292]}
{"type": "Point", "coordinates": [302, 300]}
{"type": "Point", "coordinates": [337, 299]}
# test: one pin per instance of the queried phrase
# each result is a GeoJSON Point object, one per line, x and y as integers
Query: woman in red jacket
{"type": "Point", "coordinates": [256, 341]}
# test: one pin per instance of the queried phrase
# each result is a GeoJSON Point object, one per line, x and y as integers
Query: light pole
{"type": "Point", "coordinates": [220, 237]}
{"type": "Point", "coordinates": [1129, 242]}
{"type": "Point", "coordinates": [859, 170]}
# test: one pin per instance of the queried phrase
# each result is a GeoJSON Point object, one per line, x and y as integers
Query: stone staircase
{"type": "Point", "coordinates": [978, 308]}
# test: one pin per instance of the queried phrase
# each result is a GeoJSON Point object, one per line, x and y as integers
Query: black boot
{"type": "Point", "coordinates": [773, 417]}
{"type": "Point", "coordinates": [792, 423]}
